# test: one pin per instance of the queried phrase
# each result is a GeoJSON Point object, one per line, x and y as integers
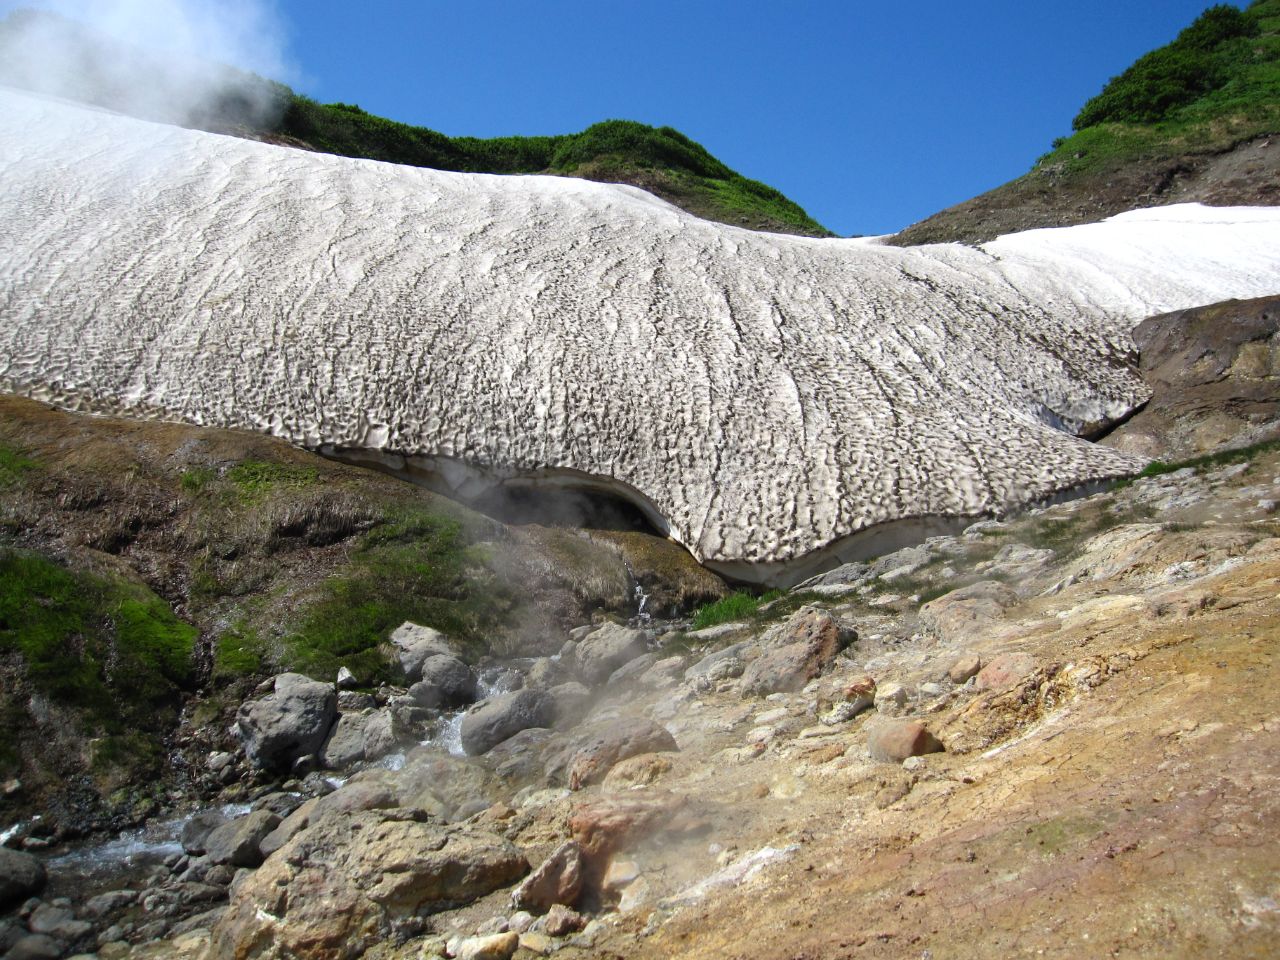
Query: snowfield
{"type": "Point", "coordinates": [762, 397]}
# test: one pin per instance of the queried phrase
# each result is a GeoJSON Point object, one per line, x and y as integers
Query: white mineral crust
{"type": "Point", "coordinates": [763, 397]}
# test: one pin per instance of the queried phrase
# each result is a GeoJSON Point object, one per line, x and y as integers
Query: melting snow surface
{"type": "Point", "coordinates": [763, 396]}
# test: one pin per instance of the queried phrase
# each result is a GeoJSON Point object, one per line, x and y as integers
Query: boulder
{"type": "Point", "coordinates": [290, 826]}
{"type": "Point", "coordinates": [195, 832]}
{"type": "Point", "coordinates": [380, 735]}
{"type": "Point", "coordinates": [720, 664]}
{"type": "Point", "coordinates": [57, 922]}
{"type": "Point", "coordinates": [350, 881]}
{"type": "Point", "coordinates": [519, 758]}
{"type": "Point", "coordinates": [346, 679]}
{"type": "Point", "coordinates": [558, 880]}
{"type": "Point", "coordinates": [491, 721]}
{"type": "Point", "coordinates": [562, 921]}
{"type": "Point", "coordinates": [629, 673]}
{"type": "Point", "coordinates": [35, 946]}
{"type": "Point", "coordinates": [237, 843]}
{"type": "Point", "coordinates": [21, 876]}
{"type": "Point", "coordinates": [895, 740]}
{"type": "Point", "coordinates": [962, 668]}
{"type": "Point", "coordinates": [445, 682]}
{"type": "Point", "coordinates": [345, 745]}
{"type": "Point", "coordinates": [569, 703]}
{"type": "Point", "coordinates": [414, 644]}
{"type": "Point", "coordinates": [806, 645]}
{"type": "Point", "coordinates": [606, 649]}
{"type": "Point", "coordinates": [961, 614]}
{"type": "Point", "coordinates": [596, 753]}
{"type": "Point", "coordinates": [1005, 670]}
{"type": "Point", "coordinates": [290, 723]}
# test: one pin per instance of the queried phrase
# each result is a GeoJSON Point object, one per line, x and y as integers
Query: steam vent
{"type": "Point", "coordinates": [773, 403]}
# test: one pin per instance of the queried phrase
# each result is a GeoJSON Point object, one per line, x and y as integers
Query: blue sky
{"type": "Point", "coordinates": [871, 116]}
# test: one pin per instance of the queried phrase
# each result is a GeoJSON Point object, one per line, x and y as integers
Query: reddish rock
{"type": "Point", "coordinates": [806, 645]}
{"type": "Point", "coordinates": [600, 750]}
{"type": "Point", "coordinates": [895, 740]}
{"type": "Point", "coordinates": [562, 920]}
{"type": "Point", "coordinates": [557, 881]}
{"type": "Point", "coordinates": [1006, 670]}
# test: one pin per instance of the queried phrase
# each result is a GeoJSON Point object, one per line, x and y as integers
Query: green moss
{"type": "Point", "coordinates": [111, 649]}
{"type": "Point", "coordinates": [416, 566]}
{"type": "Point", "coordinates": [197, 478]}
{"type": "Point", "coordinates": [239, 652]}
{"type": "Point", "coordinates": [255, 478]}
{"type": "Point", "coordinates": [14, 464]}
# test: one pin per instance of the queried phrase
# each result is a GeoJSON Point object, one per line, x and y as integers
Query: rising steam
{"type": "Point", "coordinates": [197, 63]}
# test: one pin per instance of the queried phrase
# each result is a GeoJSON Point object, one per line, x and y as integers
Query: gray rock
{"type": "Point", "coordinates": [35, 946]}
{"type": "Point", "coordinates": [346, 679]}
{"type": "Point", "coordinates": [345, 745]}
{"type": "Point", "coordinates": [113, 901]}
{"type": "Point", "coordinates": [57, 922]}
{"type": "Point", "coordinates": [195, 832]}
{"type": "Point", "coordinates": [380, 736]}
{"type": "Point", "coordinates": [414, 643]}
{"type": "Point", "coordinates": [491, 721]}
{"type": "Point", "coordinates": [595, 754]}
{"type": "Point", "coordinates": [606, 649]}
{"type": "Point", "coordinates": [809, 642]}
{"type": "Point", "coordinates": [290, 723]}
{"type": "Point", "coordinates": [569, 703]}
{"type": "Point", "coordinates": [630, 673]}
{"type": "Point", "coordinates": [237, 843]}
{"type": "Point", "coordinates": [446, 682]}
{"type": "Point", "coordinates": [21, 876]}
{"type": "Point", "coordinates": [719, 664]}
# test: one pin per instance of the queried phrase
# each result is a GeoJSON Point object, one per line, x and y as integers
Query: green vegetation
{"type": "Point", "coordinates": [107, 647]}
{"type": "Point", "coordinates": [1209, 461]}
{"type": "Point", "coordinates": [13, 465]}
{"type": "Point", "coordinates": [658, 158]}
{"type": "Point", "coordinates": [738, 605]}
{"type": "Point", "coordinates": [255, 478]}
{"type": "Point", "coordinates": [197, 478]}
{"type": "Point", "coordinates": [1216, 85]}
{"type": "Point", "coordinates": [415, 566]}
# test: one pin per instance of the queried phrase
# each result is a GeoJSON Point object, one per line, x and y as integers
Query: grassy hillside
{"type": "Point", "coordinates": [1187, 121]}
{"type": "Point", "coordinates": [50, 53]}
{"type": "Point", "coordinates": [659, 159]}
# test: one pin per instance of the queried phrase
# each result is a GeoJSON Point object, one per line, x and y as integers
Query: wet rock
{"type": "Point", "coordinates": [57, 922]}
{"type": "Point", "coordinates": [491, 721]}
{"type": "Point", "coordinates": [237, 843]}
{"type": "Point", "coordinates": [290, 723]}
{"type": "Point", "coordinates": [414, 644]}
{"type": "Point", "coordinates": [963, 668]}
{"type": "Point", "coordinates": [445, 682]}
{"type": "Point", "coordinates": [562, 921]}
{"type": "Point", "coordinates": [1005, 670]}
{"type": "Point", "coordinates": [349, 881]}
{"type": "Point", "coordinates": [557, 880]}
{"type": "Point", "coordinates": [597, 752]}
{"type": "Point", "coordinates": [606, 649]}
{"type": "Point", "coordinates": [113, 901]}
{"type": "Point", "coordinates": [21, 876]}
{"type": "Point", "coordinates": [497, 946]}
{"type": "Point", "coordinates": [35, 946]}
{"type": "Point", "coordinates": [895, 740]}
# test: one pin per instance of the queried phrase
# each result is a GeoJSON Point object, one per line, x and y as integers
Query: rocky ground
{"type": "Point", "coordinates": [1055, 735]}
{"type": "Point", "coordinates": [1241, 174]}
